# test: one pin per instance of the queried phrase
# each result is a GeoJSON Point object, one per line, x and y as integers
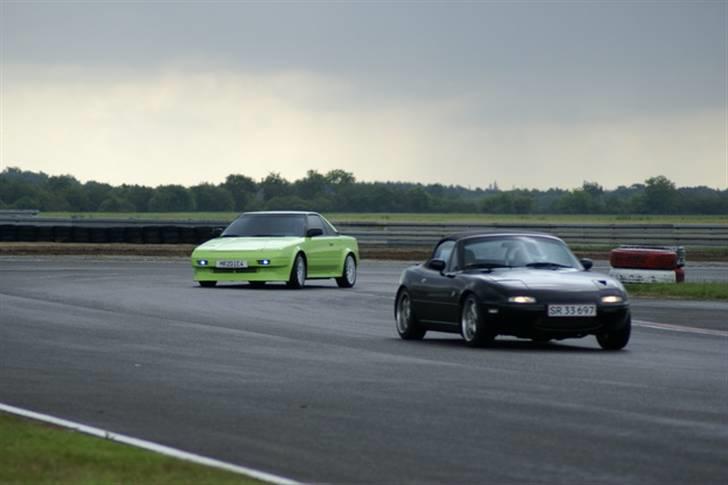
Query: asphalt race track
{"type": "Point", "coordinates": [314, 385]}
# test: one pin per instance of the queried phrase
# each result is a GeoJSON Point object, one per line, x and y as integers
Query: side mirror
{"type": "Point", "coordinates": [316, 231]}
{"type": "Point", "coordinates": [217, 232]}
{"type": "Point", "coordinates": [586, 263]}
{"type": "Point", "coordinates": [437, 265]}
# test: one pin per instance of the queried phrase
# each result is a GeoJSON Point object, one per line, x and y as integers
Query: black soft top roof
{"type": "Point", "coordinates": [473, 234]}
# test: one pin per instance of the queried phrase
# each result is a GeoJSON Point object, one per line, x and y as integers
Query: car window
{"type": "Point", "coordinates": [444, 250]}
{"type": "Point", "coordinates": [314, 222]}
{"type": "Point", "coordinates": [516, 251]}
{"type": "Point", "coordinates": [329, 229]}
{"type": "Point", "coordinates": [266, 225]}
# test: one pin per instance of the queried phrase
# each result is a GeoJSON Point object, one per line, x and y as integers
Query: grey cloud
{"type": "Point", "coordinates": [644, 51]}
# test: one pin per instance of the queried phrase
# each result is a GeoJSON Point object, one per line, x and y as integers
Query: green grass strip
{"type": "Point", "coordinates": [684, 291]}
{"type": "Point", "coordinates": [34, 452]}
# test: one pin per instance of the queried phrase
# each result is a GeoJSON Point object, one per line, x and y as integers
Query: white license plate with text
{"type": "Point", "coordinates": [231, 264]}
{"type": "Point", "coordinates": [572, 310]}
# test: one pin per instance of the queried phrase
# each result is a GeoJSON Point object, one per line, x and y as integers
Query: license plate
{"type": "Point", "coordinates": [572, 310]}
{"type": "Point", "coordinates": [231, 264]}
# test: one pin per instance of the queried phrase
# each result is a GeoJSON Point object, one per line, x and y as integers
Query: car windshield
{"type": "Point", "coordinates": [517, 251]}
{"type": "Point", "coordinates": [267, 225]}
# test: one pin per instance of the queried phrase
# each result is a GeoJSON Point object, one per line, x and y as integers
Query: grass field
{"type": "Point", "coordinates": [683, 291]}
{"type": "Point", "coordinates": [33, 452]}
{"type": "Point", "coordinates": [404, 217]}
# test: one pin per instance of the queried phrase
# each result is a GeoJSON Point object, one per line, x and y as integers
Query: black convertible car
{"type": "Point", "coordinates": [524, 285]}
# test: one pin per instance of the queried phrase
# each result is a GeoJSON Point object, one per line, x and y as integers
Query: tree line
{"type": "Point", "coordinates": [339, 191]}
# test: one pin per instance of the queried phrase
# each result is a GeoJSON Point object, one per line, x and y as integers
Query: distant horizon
{"type": "Point", "coordinates": [469, 187]}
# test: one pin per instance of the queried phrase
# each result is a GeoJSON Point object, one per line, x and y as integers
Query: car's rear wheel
{"type": "Point", "coordinates": [298, 272]}
{"type": "Point", "coordinates": [348, 274]}
{"type": "Point", "coordinates": [473, 326]}
{"type": "Point", "coordinates": [616, 339]}
{"type": "Point", "coordinates": [257, 284]}
{"type": "Point", "coordinates": [406, 322]}
{"type": "Point", "coordinates": [207, 284]}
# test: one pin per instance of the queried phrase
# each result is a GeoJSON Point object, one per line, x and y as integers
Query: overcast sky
{"type": "Point", "coordinates": [528, 94]}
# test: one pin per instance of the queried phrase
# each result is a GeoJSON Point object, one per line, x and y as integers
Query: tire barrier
{"type": "Point", "coordinates": [204, 233]}
{"type": "Point", "coordinates": [80, 234]}
{"type": "Point", "coordinates": [62, 234]}
{"type": "Point", "coordinates": [8, 233]}
{"type": "Point", "coordinates": [44, 234]}
{"type": "Point", "coordinates": [98, 235]}
{"type": "Point", "coordinates": [169, 235]}
{"type": "Point", "coordinates": [117, 235]}
{"type": "Point", "coordinates": [648, 264]}
{"type": "Point", "coordinates": [374, 235]}
{"type": "Point", "coordinates": [187, 235]}
{"type": "Point", "coordinates": [152, 235]}
{"type": "Point", "coordinates": [134, 235]}
{"type": "Point", "coordinates": [26, 233]}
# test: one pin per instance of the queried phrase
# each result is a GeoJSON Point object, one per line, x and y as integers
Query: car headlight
{"type": "Point", "coordinates": [612, 299]}
{"type": "Point", "coordinates": [202, 262]}
{"type": "Point", "coordinates": [522, 299]}
{"type": "Point", "coordinates": [264, 262]}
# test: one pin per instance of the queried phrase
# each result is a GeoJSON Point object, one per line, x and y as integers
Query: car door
{"type": "Point", "coordinates": [337, 246]}
{"type": "Point", "coordinates": [433, 289]}
{"type": "Point", "coordinates": [322, 251]}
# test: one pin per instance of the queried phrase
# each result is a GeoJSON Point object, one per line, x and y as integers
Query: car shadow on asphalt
{"type": "Point", "coordinates": [268, 287]}
{"type": "Point", "coordinates": [512, 345]}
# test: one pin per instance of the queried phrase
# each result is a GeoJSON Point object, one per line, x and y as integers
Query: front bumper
{"type": "Point", "coordinates": [528, 321]}
{"type": "Point", "coordinates": [279, 268]}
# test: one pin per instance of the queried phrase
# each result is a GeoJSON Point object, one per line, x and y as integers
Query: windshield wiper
{"type": "Point", "coordinates": [486, 266]}
{"type": "Point", "coordinates": [546, 264]}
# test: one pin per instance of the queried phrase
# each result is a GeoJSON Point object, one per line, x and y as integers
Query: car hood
{"type": "Point", "coordinates": [545, 279]}
{"type": "Point", "coordinates": [250, 243]}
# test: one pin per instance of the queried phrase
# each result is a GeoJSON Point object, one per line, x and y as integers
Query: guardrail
{"type": "Point", "coordinates": [369, 234]}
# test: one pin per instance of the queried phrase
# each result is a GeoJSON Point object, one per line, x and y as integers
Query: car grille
{"type": "Point", "coordinates": [235, 270]}
{"type": "Point", "coordinates": [568, 324]}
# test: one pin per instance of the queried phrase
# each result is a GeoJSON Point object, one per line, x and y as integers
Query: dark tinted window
{"type": "Point", "coordinates": [444, 250]}
{"type": "Point", "coordinates": [314, 222]}
{"type": "Point", "coordinates": [329, 230]}
{"type": "Point", "coordinates": [266, 225]}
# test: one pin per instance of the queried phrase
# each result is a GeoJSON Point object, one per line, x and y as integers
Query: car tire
{"type": "Point", "coordinates": [408, 328]}
{"type": "Point", "coordinates": [616, 339]}
{"type": "Point", "coordinates": [207, 284]}
{"type": "Point", "coordinates": [298, 272]}
{"type": "Point", "coordinates": [257, 284]}
{"type": "Point", "coordinates": [348, 273]}
{"type": "Point", "coordinates": [473, 326]}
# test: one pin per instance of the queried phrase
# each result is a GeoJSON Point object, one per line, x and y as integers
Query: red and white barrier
{"type": "Point", "coordinates": [633, 264]}
{"type": "Point", "coordinates": [628, 275]}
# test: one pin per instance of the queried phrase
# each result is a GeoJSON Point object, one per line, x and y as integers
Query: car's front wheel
{"type": "Point", "coordinates": [408, 327]}
{"type": "Point", "coordinates": [348, 274]}
{"type": "Point", "coordinates": [298, 272]}
{"type": "Point", "coordinates": [207, 284]}
{"type": "Point", "coordinates": [616, 339]}
{"type": "Point", "coordinates": [472, 325]}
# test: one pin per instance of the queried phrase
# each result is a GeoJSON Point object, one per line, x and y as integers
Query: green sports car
{"type": "Point", "coordinates": [289, 247]}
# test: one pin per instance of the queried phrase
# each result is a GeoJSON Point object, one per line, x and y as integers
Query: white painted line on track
{"type": "Point", "coordinates": [680, 328]}
{"type": "Point", "coordinates": [148, 445]}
